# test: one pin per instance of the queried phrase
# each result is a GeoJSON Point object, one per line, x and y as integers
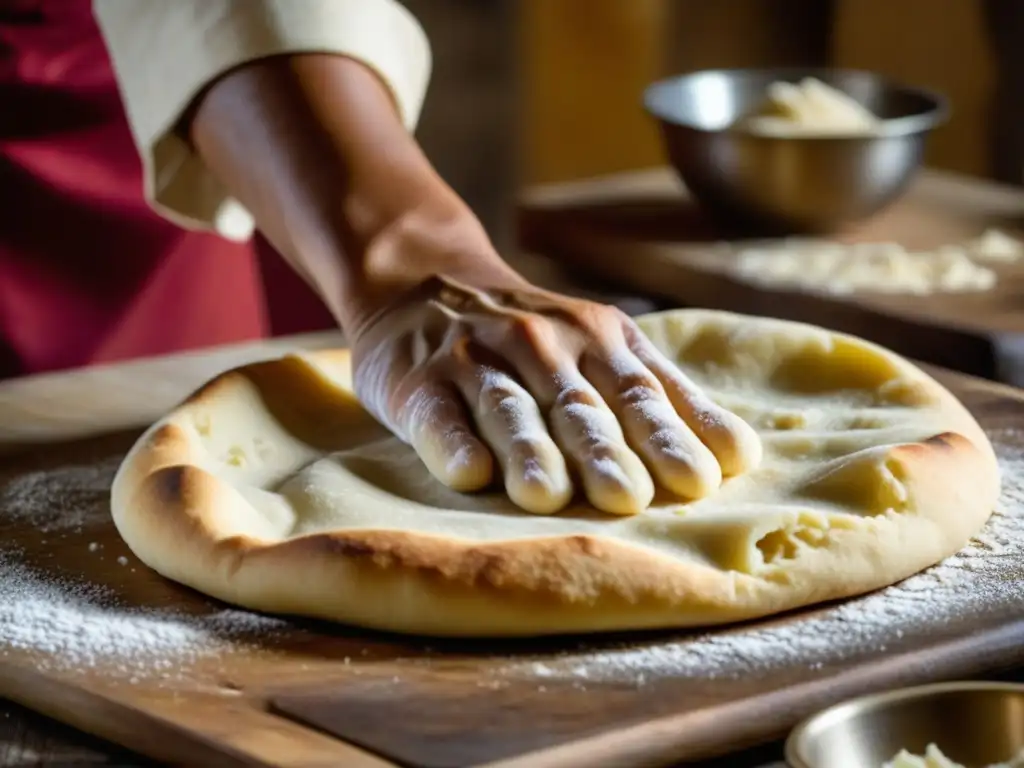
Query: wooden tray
{"type": "Point", "coordinates": [89, 636]}
{"type": "Point", "coordinates": [640, 231]}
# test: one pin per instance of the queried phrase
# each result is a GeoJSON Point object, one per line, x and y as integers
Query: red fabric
{"type": "Point", "coordinates": [88, 273]}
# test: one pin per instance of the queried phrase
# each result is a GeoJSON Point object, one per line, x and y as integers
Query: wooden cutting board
{"type": "Point", "coordinates": [91, 637]}
{"type": "Point", "coordinates": [640, 231]}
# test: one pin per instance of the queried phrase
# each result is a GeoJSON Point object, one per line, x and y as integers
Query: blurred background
{"type": "Point", "coordinates": [536, 91]}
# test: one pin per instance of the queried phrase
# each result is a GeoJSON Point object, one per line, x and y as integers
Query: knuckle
{"type": "Point", "coordinates": [637, 387]}
{"type": "Point", "coordinates": [503, 398]}
{"type": "Point", "coordinates": [600, 318]}
{"type": "Point", "coordinates": [601, 449]}
{"type": "Point", "coordinates": [525, 447]}
{"type": "Point", "coordinates": [416, 403]}
{"type": "Point", "coordinates": [620, 318]}
{"type": "Point", "coordinates": [496, 396]}
{"type": "Point", "coordinates": [572, 398]}
{"type": "Point", "coordinates": [531, 330]}
{"type": "Point", "coordinates": [671, 444]}
{"type": "Point", "coordinates": [630, 329]}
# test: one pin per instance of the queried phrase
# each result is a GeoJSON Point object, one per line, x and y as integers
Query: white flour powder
{"type": "Point", "coordinates": [979, 577]}
{"type": "Point", "coordinates": [77, 625]}
{"type": "Point", "coordinates": [70, 624]}
{"type": "Point", "coordinates": [65, 499]}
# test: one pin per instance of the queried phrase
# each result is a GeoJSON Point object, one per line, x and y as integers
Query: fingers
{"type": "Point", "coordinates": [618, 411]}
{"type": "Point", "coordinates": [735, 444]}
{"type": "Point", "coordinates": [507, 417]}
{"type": "Point", "coordinates": [675, 455]}
{"type": "Point", "coordinates": [587, 431]}
{"type": "Point", "coordinates": [613, 476]}
{"type": "Point", "coordinates": [434, 420]}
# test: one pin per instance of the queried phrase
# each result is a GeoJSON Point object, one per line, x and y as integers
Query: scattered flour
{"type": "Point", "coordinates": [881, 267]}
{"type": "Point", "coordinates": [60, 500]}
{"type": "Point", "coordinates": [69, 624]}
{"type": "Point", "coordinates": [76, 625]}
{"type": "Point", "coordinates": [985, 575]}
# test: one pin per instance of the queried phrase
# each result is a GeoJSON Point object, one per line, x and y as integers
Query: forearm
{"type": "Point", "coordinates": [314, 147]}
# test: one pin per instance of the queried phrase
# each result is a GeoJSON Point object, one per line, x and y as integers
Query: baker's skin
{"type": "Point", "coordinates": [480, 371]}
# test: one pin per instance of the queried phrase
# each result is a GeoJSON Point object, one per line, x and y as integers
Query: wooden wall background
{"type": "Point", "coordinates": [583, 64]}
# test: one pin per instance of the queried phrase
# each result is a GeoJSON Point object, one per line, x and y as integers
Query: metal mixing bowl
{"type": "Point", "coordinates": [973, 723]}
{"type": "Point", "coordinates": [801, 184]}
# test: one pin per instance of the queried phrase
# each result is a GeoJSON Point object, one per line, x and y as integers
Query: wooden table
{"type": "Point", "coordinates": [132, 394]}
{"type": "Point", "coordinates": [118, 396]}
{"type": "Point", "coordinates": [641, 231]}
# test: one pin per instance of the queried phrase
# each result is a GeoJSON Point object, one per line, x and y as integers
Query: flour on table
{"type": "Point", "coordinates": [77, 625]}
{"type": "Point", "coordinates": [977, 579]}
{"type": "Point", "coordinates": [994, 245]}
{"type": "Point", "coordinates": [61, 500]}
{"type": "Point", "coordinates": [70, 624]}
{"type": "Point", "coordinates": [879, 267]}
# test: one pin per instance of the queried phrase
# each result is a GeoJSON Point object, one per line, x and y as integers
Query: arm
{"type": "Point", "coordinates": [452, 350]}
{"type": "Point", "coordinates": [166, 53]}
{"type": "Point", "coordinates": [339, 185]}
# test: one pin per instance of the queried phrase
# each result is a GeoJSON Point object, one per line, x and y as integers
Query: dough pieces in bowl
{"type": "Point", "coordinates": [272, 489]}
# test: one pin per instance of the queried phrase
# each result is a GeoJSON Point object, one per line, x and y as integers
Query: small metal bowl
{"type": "Point", "coordinates": [794, 185]}
{"type": "Point", "coordinates": [973, 723]}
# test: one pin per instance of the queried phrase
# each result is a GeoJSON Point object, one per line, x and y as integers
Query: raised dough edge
{"type": "Point", "coordinates": [167, 509]}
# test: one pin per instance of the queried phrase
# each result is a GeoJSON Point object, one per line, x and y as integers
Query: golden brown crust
{"type": "Point", "coordinates": [195, 527]}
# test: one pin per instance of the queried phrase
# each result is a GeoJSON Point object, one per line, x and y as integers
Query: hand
{"type": "Point", "coordinates": [480, 374]}
{"type": "Point", "coordinates": [547, 386]}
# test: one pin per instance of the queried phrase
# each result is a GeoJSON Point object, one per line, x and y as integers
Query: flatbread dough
{"type": "Point", "coordinates": [810, 108]}
{"type": "Point", "coordinates": [271, 488]}
{"type": "Point", "coordinates": [933, 757]}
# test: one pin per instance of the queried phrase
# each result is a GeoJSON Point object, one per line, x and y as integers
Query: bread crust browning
{"type": "Point", "coordinates": [182, 517]}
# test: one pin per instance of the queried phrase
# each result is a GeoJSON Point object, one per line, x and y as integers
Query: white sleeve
{"type": "Point", "coordinates": [165, 52]}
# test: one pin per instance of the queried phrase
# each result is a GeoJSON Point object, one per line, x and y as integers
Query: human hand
{"type": "Point", "coordinates": [548, 387]}
{"type": "Point", "coordinates": [479, 371]}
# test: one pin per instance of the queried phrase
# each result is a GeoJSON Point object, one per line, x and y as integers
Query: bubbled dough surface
{"type": "Point", "coordinates": [820, 402]}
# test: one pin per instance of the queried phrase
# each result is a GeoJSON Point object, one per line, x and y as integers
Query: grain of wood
{"type": "Point", "coordinates": [243, 701]}
{"type": "Point", "coordinates": [212, 702]}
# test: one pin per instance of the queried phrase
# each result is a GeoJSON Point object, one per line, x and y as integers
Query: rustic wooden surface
{"type": "Point", "coordinates": [37, 411]}
{"type": "Point", "coordinates": [640, 231]}
{"type": "Point", "coordinates": [389, 697]}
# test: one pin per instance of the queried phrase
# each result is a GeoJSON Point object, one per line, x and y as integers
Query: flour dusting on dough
{"type": "Point", "coordinates": [981, 577]}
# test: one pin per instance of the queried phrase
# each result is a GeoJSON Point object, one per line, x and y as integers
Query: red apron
{"type": "Point", "coordinates": [88, 273]}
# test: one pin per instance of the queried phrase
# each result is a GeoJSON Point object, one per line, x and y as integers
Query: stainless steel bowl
{"type": "Point", "coordinates": [973, 723]}
{"type": "Point", "coordinates": [797, 185]}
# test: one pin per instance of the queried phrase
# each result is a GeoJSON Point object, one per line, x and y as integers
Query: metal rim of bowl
{"type": "Point", "coordinates": [896, 126]}
{"type": "Point", "coordinates": [869, 701]}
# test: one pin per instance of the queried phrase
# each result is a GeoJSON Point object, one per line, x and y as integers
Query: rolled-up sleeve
{"type": "Point", "coordinates": [165, 52]}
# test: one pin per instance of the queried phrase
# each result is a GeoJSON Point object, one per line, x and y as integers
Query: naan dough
{"type": "Point", "coordinates": [272, 489]}
{"type": "Point", "coordinates": [933, 757]}
{"type": "Point", "coordinates": [810, 108]}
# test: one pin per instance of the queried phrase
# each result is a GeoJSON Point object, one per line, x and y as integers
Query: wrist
{"type": "Point", "coordinates": [424, 242]}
